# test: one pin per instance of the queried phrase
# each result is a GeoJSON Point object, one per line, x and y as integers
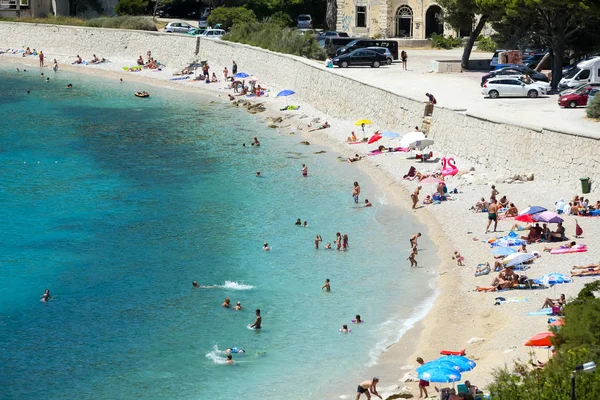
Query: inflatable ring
{"type": "Point", "coordinates": [142, 94]}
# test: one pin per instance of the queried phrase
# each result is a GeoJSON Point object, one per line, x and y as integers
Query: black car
{"type": "Point", "coordinates": [360, 57]}
{"type": "Point", "coordinates": [514, 72]}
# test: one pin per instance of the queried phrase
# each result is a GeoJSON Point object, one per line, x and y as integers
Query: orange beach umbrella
{"type": "Point", "coordinates": [540, 340]}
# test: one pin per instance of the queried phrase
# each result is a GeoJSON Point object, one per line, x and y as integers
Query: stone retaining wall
{"type": "Point", "coordinates": [551, 156]}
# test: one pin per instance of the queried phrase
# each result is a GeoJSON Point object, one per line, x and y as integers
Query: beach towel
{"type": "Point", "coordinates": [180, 78]}
{"type": "Point", "coordinates": [543, 311]}
{"type": "Point", "coordinates": [580, 248]}
{"type": "Point", "coordinates": [501, 300]}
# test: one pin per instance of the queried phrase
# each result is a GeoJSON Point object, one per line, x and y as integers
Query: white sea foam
{"type": "Point", "coordinates": [236, 286]}
{"type": "Point", "coordinates": [215, 356]}
{"type": "Point", "coordinates": [391, 336]}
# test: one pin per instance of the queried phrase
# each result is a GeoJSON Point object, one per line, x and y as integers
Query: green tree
{"type": "Point", "coordinates": [281, 18]}
{"type": "Point", "coordinates": [228, 16]}
{"type": "Point", "coordinates": [557, 23]}
{"type": "Point", "coordinates": [131, 7]}
{"type": "Point", "coordinates": [457, 12]}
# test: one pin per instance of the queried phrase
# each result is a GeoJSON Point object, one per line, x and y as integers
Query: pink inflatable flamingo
{"type": "Point", "coordinates": [449, 168]}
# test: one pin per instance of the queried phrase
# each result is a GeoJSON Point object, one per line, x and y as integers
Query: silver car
{"type": "Point", "coordinates": [178, 27]}
{"type": "Point", "coordinates": [511, 87]}
{"type": "Point", "coordinates": [383, 50]}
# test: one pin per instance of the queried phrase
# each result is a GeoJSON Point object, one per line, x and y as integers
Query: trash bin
{"type": "Point", "coordinates": [585, 185]}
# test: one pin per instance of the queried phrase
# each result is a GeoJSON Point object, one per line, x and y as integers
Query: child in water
{"type": "Point", "coordinates": [328, 246]}
{"type": "Point", "coordinates": [266, 247]}
{"type": "Point", "coordinates": [344, 329]}
{"type": "Point", "coordinates": [357, 320]}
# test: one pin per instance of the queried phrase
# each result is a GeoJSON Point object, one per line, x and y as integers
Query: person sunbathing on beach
{"type": "Point", "coordinates": [324, 125]}
{"type": "Point", "coordinates": [78, 60]}
{"type": "Point", "coordinates": [352, 138]}
{"type": "Point", "coordinates": [483, 269]}
{"type": "Point", "coordinates": [428, 200]}
{"type": "Point", "coordinates": [512, 211]}
{"type": "Point", "coordinates": [354, 159]}
{"type": "Point", "coordinates": [549, 303]}
{"type": "Point", "coordinates": [588, 271]}
{"type": "Point", "coordinates": [480, 206]}
{"type": "Point", "coordinates": [558, 234]}
{"type": "Point", "coordinates": [95, 59]}
{"type": "Point", "coordinates": [505, 279]}
{"type": "Point", "coordinates": [27, 52]}
{"type": "Point", "coordinates": [563, 246]}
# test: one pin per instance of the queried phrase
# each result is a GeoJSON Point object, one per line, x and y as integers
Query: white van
{"type": "Point", "coordinates": [585, 72]}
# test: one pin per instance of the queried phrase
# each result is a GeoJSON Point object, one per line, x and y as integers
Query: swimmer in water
{"type": "Point", "coordinates": [258, 174]}
{"type": "Point", "coordinates": [121, 79]}
{"type": "Point", "coordinates": [328, 246]}
{"type": "Point", "coordinates": [258, 322]}
{"type": "Point", "coordinates": [46, 296]}
{"type": "Point", "coordinates": [238, 306]}
{"type": "Point", "coordinates": [29, 92]}
{"type": "Point", "coordinates": [344, 329]}
{"type": "Point", "coordinates": [69, 86]}
{"type": "Point", "coordinates": [298, 222]}
{"type": "Point", "coordinates": [368, 203]}
{"type": "Point", "coordinates": [305, 224]}
{"type": "Point", "coordinates": [326, 286]}
{"type": "Point", "coordinates": [229, 360]}
{"type": "Point", "coordinates": [357, 320]}
{"type": "Point", "coordinates": [47, 79]}
{"type": "Point", "coordinates": [226, 303]}
{"type": "Point", "coordinates": [255, 142]}
{"type": "Point", "coordinates": [266, 247]}
{"type": "Point", "coordinates": [317, 240]}
{"type": "Point", "coordinates": [195, 284]}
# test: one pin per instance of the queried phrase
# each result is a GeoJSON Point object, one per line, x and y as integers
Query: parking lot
{"type": "Point", "coordinates": [463, 91]}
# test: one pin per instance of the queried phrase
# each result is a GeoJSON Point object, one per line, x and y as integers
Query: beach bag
{"type": "Point", "coordinates": [578, 230]}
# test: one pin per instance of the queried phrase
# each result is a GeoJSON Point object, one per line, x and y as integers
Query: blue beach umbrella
{"type": "Point", "coordinates": [286, 92]}
{"type": "Point", "coordinates": [503, 251]}
{"type": "Point", "coordinates": [390, 135]}
{"type": "Point", "coordinates": [241, 75]}
{"type": "Point", "coordinates": [533, 210]}
{"type": "Point", "coordinates": [439, 373]}
{"type": "Point", "coordinates": [553, 279]}
{"type": "Point", "coordinates": [459, 363]}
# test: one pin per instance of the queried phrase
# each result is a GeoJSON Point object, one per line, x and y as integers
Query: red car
{"type": "Point", "coordinates": [576, 99]}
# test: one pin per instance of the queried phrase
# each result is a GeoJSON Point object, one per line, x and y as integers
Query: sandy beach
{"type": "Point", "coordinates": [460, 318]}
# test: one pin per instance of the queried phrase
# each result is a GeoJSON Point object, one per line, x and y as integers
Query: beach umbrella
{"type": "Point", "coordinates": [438, 372]}
{"type": "Point", "coordinates": [285, 93]}
{"type": "Point", "coordinates": [553, 280]}
{"type": "Point", "coordinates": [518, 258]}
{"type": "Point", "coordinates": [374, 138]}
{"type": "Point", "coordinates": [525, 218]}
{"type": "Point", "coordinates": [459, 363]}
{"type": "Point", "coordinates": [548, 217]}
{"type": "Point", "coordinates": [410, 138]}
{"type": "Point", "coordinates": [362, 121]}
{"type": "Point", "coordinates": [503, 251]}
{"type": "Point", "coordinates": [241, 75]}
{"type": "Point", "coordinates": [390, 135]}
{"type": "Point", "coordinates": [533, 210]}
{"type": "Point", "coordinates": [431, 179]}
{"type": "Point", "coordinates": [421, 144]}
{"type": "Point", "coordinates": [540, 340]}
{"type": "Point", "coordinates": [253, 79]}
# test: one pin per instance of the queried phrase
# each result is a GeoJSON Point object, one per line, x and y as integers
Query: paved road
{"type": "Point", "coordinates": [462, 90]}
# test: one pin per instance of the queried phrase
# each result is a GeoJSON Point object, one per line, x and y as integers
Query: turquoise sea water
{"type": "Point", "coordinates": [116, 204]}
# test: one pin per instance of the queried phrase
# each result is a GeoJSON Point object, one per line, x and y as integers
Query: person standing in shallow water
{"type": "Point", "coordinates": [338, 241]}
{"type": "Point", "coordinates": [304, 170]}
{"type": "Point", "coordinates": [356, 192]}
{"type": "Point", "coordinates": [257, 323]}
{"type": "Point", "coordinates": [411, 257]}
{"type": "Point", "coordinates": [326, 286]}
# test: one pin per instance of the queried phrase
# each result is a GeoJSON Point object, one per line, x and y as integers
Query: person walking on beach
{"type": "Point", "coordinates": [356, 192]}
{"type": "Point", "coordinates": [257, 323]}
{"type": "Point", "coordinates": [492, 215]}
{"type": "Point", "coordinates": [234, 68]}
{"type": "Point", "coordinates": [411, 257]}
{"type": "Point", "coordinates": [422, 384]}
{"type": "Point", "coordinates": [368, 388]}
{"type": "Point", "coordinates": [41, 55]}
{"type": "Point", "coordinates": [304, 170]}
{"type": "Point", "coordinates": [413, 240]}
{"type": "Point", "coordinates": [415, 197]}
{"type": "Point", "coordinates": [326, 286]}
{"type": "Point", "coordinates": [225, 73]}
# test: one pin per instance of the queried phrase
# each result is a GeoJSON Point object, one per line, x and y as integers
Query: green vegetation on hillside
{"type": "Point", "coordinates": [577, 342]}
{"type": "Point", "coordinates": [228, 16]}
{"type": "Point", "coordinates": [125, 22]}
{"type": "Point", "coordinates": [273, 37]}
{"type": "Point", "coordinates": [593, 110]}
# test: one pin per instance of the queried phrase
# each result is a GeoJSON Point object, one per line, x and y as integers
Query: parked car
{"type": "Point", "coordinates": [391, 45]}
{"type": "Point", "coordinates": [511, 87]}
{"type": "Point", "coordinates": [585, 72]}
{"type": "Point", "coordinates": [360, 57]}
{"type": "Point", "coordinates": [330, 34]}
{"type": "Point", "coordinates": [306, 31]}
{"type": "Point", "coordinates": [383, 50]}
{"type": "Point", "coordinates": [197, 31]}
{"type": "Point", "coordinates": [533, 60]}
{"type": "Point", "coordinates": [304, 21]}
{"type": "Point", "coordinates": [203, 22]}
{"type": "Point", "coordinates": [572, 90]}
{"type": "Point", "coordinates": [593, 93]}
{"type": "Point", "coordinates": [178, 27]}
{"type": "Point", "coordinates": [213, 33]}
{"type": "Point", "coordinates": [577, 98]}
{"type": "Point", "coordinates": [495, 57]}
{"type": "Point", "coordinates": [515, 72]}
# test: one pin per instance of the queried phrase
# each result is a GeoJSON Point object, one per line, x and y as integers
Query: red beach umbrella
{"type": "Point", "coordinates": [374, 138]}
{"type": "Point", "coordinates": [540, 340]}
{"type": "Point", "coordinates": [525, 218]}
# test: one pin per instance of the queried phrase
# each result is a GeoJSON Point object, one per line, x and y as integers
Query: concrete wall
{"type": "Point", "coordinates": [550, 156]}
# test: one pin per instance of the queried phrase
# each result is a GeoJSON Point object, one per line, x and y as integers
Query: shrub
{"type": "Point", "coordinates": [131, 7]}
{"type": "Point", "coordinates": [280, 18]}
{"type": "Point", "coordinates": [273, 37]}
{"type": "Point", "coordinates": [124, 22]}
{"type": "Point", "coordinates": [593, 110]}
{"type": "Point", "coordinates": [486, 44]}
{"type": "Point", "coordinates": [445, 42]}
{"type": "Point", "coordinates": [228, 16]}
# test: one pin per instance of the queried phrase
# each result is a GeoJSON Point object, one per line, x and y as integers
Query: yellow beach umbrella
{"type": "Point", "coordinates": [362, 121]}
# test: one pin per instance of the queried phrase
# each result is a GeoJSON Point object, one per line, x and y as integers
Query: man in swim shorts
{"type": "Point", "coordinates": [356, 192]}
{"type": "Point", "coordinates": [368, 388]}
{"type": "Point", "coordinates": [492, 215]}
{"type": "Point", "coordinates": [413, 240]}
{"type": "Point", "coordinates": [258, 322]}
{"type": "Point", "coordinates": [326, 286]}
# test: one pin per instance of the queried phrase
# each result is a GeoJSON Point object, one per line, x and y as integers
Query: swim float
{"type": "Point", "coordinates": [449, 168]}
{"type": "Point", "coordinates": [581, 248]}
{"type": "Point", "coordinates": [142, 94]}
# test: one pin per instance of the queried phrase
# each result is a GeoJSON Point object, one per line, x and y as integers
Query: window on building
{"type": "Point", "coordinates": [361, 16]}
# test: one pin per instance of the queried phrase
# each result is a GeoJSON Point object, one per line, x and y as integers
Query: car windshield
{"type": "Point", "coordinates": [572, 73]}
{"type": "Point", "coordinates": [582, 89]}
{"type": "Point", "coordinates": [304, 18]}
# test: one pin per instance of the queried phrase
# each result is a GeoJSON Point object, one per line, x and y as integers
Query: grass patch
{"type": "Point", "coordinates": [274, 37]}
{"type": "Point", "coordinates": [125, 22]}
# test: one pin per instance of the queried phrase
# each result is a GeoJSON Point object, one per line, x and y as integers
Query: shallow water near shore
{"type": "Point", "coordinates": [116, 204]}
